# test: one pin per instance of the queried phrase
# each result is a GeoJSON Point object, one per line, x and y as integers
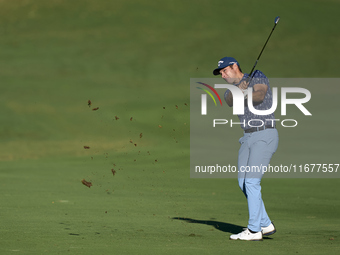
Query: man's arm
{"type": "Point", "coordinates": [229, 98]}
{"type": "Point", "coordinates": [259, 92]}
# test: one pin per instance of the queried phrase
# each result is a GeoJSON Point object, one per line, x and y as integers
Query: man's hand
{"type": "Point", "coordinates": [244, 87]}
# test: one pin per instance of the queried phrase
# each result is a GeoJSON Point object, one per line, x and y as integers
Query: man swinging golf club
{"type": "Point", "coordinates": [258, 144]}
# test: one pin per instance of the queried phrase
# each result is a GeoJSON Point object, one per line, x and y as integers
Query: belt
{"type": "Point", "coordinates": [255, 129]}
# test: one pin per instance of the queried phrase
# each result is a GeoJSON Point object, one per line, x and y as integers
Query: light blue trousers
{"type": "Point", "coordinates": [256, 150]}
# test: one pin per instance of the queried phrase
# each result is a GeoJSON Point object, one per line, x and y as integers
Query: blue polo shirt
{"type": "Point", "coordinates": [268, 120]}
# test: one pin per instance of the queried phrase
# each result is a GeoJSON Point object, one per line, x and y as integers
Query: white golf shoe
{"type": "Point", "coordinates": [247, 236]}
{"type": "Point", "coordinates": [267, 231]}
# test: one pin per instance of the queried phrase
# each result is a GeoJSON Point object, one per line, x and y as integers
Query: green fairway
{"type": "Point", "coordinates": [134, 60]}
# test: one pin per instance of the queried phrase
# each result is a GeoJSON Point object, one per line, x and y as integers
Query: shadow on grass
{"type": "Point", "coordinates": [222, 226]}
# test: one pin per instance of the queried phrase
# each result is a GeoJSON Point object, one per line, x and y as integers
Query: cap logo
{"type": "Point", "coordinates": [232, 63]}
{"type": "Point", "coordinates": [220, 62]}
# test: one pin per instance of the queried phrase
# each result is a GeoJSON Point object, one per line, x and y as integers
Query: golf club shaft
{"type": "Point", "coordinates": [250, 74]}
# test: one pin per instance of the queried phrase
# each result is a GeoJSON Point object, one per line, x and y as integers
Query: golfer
{"type": "Point", "coordinates": [258, 144]}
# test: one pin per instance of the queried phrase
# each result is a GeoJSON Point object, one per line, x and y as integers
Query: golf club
{"type": "Point", "coordinates": [250, 74]}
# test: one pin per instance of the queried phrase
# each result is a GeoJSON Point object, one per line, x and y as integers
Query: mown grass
{"type": "Point", "coordinates": [135, 59]}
